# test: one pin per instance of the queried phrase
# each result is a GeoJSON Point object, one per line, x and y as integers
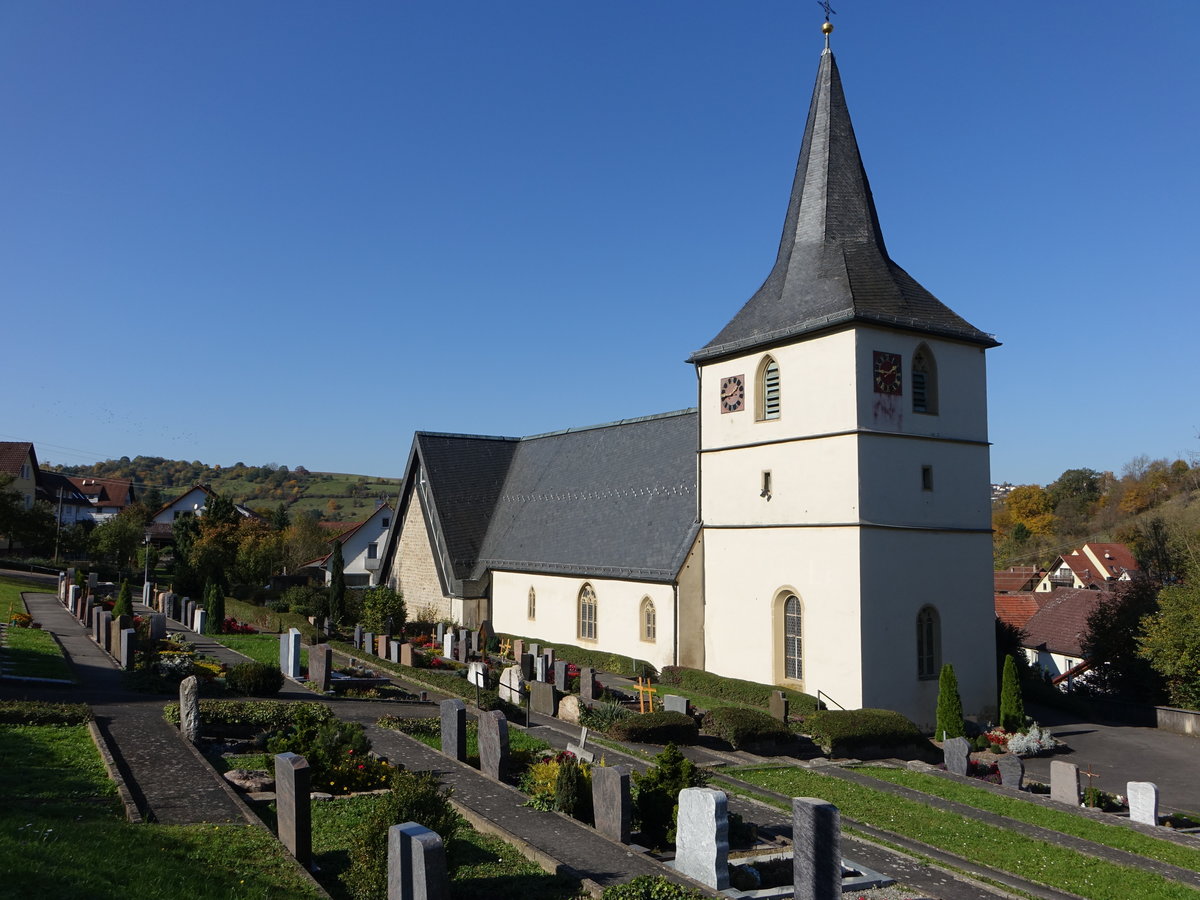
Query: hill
{"type": "Point", "coordinates": [336, 496]}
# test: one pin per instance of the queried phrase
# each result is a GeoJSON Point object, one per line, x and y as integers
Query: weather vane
{"type": "Point", "coordinates": [827, 28]}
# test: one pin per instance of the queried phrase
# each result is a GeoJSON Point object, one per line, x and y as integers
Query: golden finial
{"type": "Point", "coordinates": [827, 28]}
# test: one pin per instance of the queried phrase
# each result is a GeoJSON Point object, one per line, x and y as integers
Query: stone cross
{"type": "Point", "coordinates": [1143, 802]}
{"type": "Point", "coordinates": [702, 837]}
{"type": "Point", "coordinates": [1064, 782]}
{"type": "Point", "coordinates": [416, 868]}
{"type": "Point", "coordinates": [611, 802]}
{"type": "Point", "coordinates": [493, 744]}
{"type": "Point", "coordinates": [816, 849]}
{"type": "Point", "coordinates": [293, 805]}
{"type": "Point", "coordinates": [189, 708]}
{"type": "Point", "coordinates": [454, 729]}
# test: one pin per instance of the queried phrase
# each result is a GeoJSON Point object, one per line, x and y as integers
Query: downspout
{"type": "Point", "coordinates": [675, 648]}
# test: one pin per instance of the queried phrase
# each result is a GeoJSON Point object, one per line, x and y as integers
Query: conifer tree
{"type": "Point", "coordinates": [1012, 706]}
{"type": "Point", "coordinates": [337, 586]}
{"type": "Point", "coordinates": [214, 603]}
{"type": "Point", "coordinates": [949, 706]}
{"type": "Point", "coordinates": [124, 604]}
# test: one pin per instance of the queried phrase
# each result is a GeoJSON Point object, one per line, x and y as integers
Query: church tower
{"type": "Point", "coordinates": [843, 461]}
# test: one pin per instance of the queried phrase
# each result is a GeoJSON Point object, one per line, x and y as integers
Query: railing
{"type": "Point", "coordinates": [822, 694]}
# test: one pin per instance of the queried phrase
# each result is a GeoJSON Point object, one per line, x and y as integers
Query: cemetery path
{"type": "Point", "coordinates": [169, 783]}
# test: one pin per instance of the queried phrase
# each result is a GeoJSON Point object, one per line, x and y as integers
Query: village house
{"type": "Point", "coordinates": [1091, 566]}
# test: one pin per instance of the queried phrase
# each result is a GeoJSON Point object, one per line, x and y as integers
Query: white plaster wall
{"type": "Point", "coordinates": [745, 570]}
{"type": "Point", "coordinates": [354, 550]}
{"type": "Point", "coordinates": [186, 503]}
{"type": "Point", "coordinates": [618, 606]}
{"type": "Point", "coordinates": [890, 485]}
{"type": "Point", "coordinates": [816, 387]}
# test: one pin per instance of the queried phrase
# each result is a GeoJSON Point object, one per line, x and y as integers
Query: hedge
{"type": "Point", "coordinates": [270, 714]}
{"type": "Point", "coordinates": [745, 727]}
{"type": "Point", "coordinates": [33, 712]}
{"type": "Point", "coordinates": [254, 679]}
{"type": "Point", "coordinates": [603, 662]}
{"type": "Point", "coordinates": [656, 728]}
{"type": "Point", "coordinates": [843, 731]}
{"type": "Point", "coordinates": [736, 690]}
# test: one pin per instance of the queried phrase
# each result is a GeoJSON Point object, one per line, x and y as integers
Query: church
{"type": "Point", "coordinates": [821, 518]}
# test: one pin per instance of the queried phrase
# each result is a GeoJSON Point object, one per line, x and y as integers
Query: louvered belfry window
{"type": "Point", "coordinates": [924, 382]}
{"type": "Point", "coordinates": [587, 613]}
{"type": "Point", "coordinates": [792, 642]}
{"type": "Point", "coordinates": [768, 390]}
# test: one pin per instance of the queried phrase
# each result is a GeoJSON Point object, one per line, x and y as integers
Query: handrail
{"type": "Point", "coordinates": [821, 694]}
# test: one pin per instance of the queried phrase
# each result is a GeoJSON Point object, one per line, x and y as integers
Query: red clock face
{"type": "Point", "coordinates": [887, 373]}
{"type": "Point", "coordinates": [733, 393]}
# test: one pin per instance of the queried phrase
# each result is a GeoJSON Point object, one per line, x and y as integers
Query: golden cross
{"type": "Point", "coordinates": [506, 647]}
{"type": "Point", "coordinates": [645, 695]}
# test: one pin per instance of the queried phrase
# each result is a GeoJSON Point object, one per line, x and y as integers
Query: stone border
{"type": "Point", "coordinates": [132, 813]}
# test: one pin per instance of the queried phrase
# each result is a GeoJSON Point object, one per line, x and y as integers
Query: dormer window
{"type": "Point", "coordinates": [768, 393]}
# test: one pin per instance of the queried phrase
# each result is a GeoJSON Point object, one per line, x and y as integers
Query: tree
{"type": "Point", "coordinates": [214, 603]}
{"type": "Point", "coordinates": [221, 510]}
{"type": "Point", "coordinates": [1030, 505]}
{"type": "Point", "coordinates": [381, 605]}
{"type": "Point", "coordinates": [119, 538]}
{"type": "Point", "coordinates": [259, 553]}
{"type": "Point", "coordinates": [280, 519]}
{"type": "Point", "coordinates": [949, 706]}
{"type": "Point", "coordinates": [1170, 641]}
{"type": "Point", "coordinates": [1110, 643]}
{"type": "Point", "coordinates": [124, 604]}
{"type": "Point", "coordinates": [303, 542]}
{"type": "Point", "coordinates": [33, 528]}
{"type": "Point", "coordinates": [1154, 548]}
{"type": "Point", "coordinates": [337, 585]}
{"type": "Point", "coordinates": [1012, 706]}
{"type": "Point", "coordinates": [152, 499]}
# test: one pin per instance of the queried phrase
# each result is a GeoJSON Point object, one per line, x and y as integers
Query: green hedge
{"type": "Point", "coordinates": [844, 731]}
{"type": "Point", "coordinates": [656, 728]}
{"type": "Point", "coordinates": [736, 690]}
{"type": "Point", "coordinates": [745, 727]}
{"type": "Point", "coordinates": [33, 712]}
{"type": "Point", "coordinates": [603, 662]}
{"type": "Point", "coordinates": [270, 714]}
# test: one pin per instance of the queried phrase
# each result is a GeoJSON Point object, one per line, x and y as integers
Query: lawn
{"type": "Point", "coordinates": [263, 648]}
{"type": "Point", "coordinates": [33, 653]}
{"type": "Point", "coordinates": [62, 834]}
{"type": "Point", "coordinates": [999, 848]}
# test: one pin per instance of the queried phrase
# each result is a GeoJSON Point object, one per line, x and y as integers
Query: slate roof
{"type": "Point", "coordinates": [833, 267]}
{"type": "Point", "coordinates": [1061, 623]}
{"type": "Point", "coordinates": [615, 500]}
{"type": "Point", "coordinates": [14, 454]}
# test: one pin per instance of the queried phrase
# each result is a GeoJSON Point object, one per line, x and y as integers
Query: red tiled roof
{"type": "Point", "coordinates": [1017, 578]}
{"type": "Point", "coordinates": [13, 455]}
{"type": "Point", "coordinates": [1018, 608]}
{"type": "Point", "coordinates": [110, 491]}
{"type": "Point", "coordinates": [1083, 569]}
{"type": "Point", "coordinates": [1061, 623]}
{"type": "Point", "coordinates": [1116, 558]}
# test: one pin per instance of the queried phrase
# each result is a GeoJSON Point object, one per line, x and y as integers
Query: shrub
{"type": "Point", "coordinates": [379, 604]}
{"type": "Point", "coordinates": [414, 797]}
{"type": "Point", "coordinates": [33, 712]}
{"type": "Point", "coordinates": [267, 714]}
{"type": "Point", "coordinates": [604, 662]}
{"type": "Point", "coordinates": [650, 887]}
{"type": "Point", "coordinates": [842, 732]}
{"type": "Point", "coordinates": [214, 604]}
{"type": "Point", "coordinates": [656, 728]}
{"type": "Point", "coordinates": [1012, 706]}
{"type": "Point", "coordinates": [124, 604]}
{"type": "Point", "coordinates": [1033, 741]}
{"type": "Point", "coordinates": [736, 690]}
{"type": "Point", "coordinates": [949, 706]}
{"type": "Point", "coordinates": [279, 605]}
{"type": "Point", "coordinates": [254, 679]}
{"type": "Point", "coordinates": [656, 794]}
{"type": "Point", "coordinates": [743, 727]}
{"type": "Point", "coordinates": [603, 715]}
{"type": "Point", "coordinates": [306, 600]}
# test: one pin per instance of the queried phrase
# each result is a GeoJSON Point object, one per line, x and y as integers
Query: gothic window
{"type": "Point", "coordinates": [532, 604]}
{"type": "Point", "coordinates": [929, 643]}
{"type": "Point", "coordinates": [587, 613]}
{"type": "Point", "coordinates": [767, 395]}
{"type": "Point", "coordinates": [792, 644]}
{"type": "Point", "coordinates": [649, 620]}
{"type": "Point", "coordinates": [924, 382]}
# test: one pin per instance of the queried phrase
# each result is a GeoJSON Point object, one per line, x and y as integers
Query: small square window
{"type": "Point", "coordinates": [927, 478]}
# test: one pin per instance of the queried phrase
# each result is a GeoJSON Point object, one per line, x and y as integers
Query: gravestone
{"type": "Point", "coordinates": [382, 642]}
{"type": "Point", "coordinates": [441, 631]}
{"type": "Point", "coordinates": [394, 651]}
{"type": "Point", "coordinates": [957, 754]}
{"type": "Point", "coordinates": [1012, 771]}
{"type": "Point", "coordinates": [560, 676]}
{"type": "Point", "coordinates": [511, 685]}
{"type": "Point", "coordinates": [542, 698]}
{"type": "Point", "coordinates": [127, 646]}
{"type": "Point", "coordinates": [539, 669]}
{"type": "Point", "coordinates": [358, 637]}
{"type": "Point", "coordinates": [320, 662]}
{"type": "Point", "coordinates": [94, 621]}
{"type": "Point", "coordinates": [293, 805]}
{"type": "Point", "coordinates": [533, 649]}
{"type": "Point", "coordinates": [486, 633]}
{"type": "Point", "coordinates": [462, 645]}
{"type": "Point", "coordinates": [475, 642]}
{"type": "Point", "coordinates": [289, 653]}
{"type": "Point", "coordinates": [454, 729]}
{"type": "Point", "coordinates": [73, 598]}
{"type": "Point", "coordinates": [201, 622]}
{"type": "Point", "coordinates": [587, 684]}
{"type": "Point", "coordinates": [549, 654]}
{"type": "Point", "coordinates": [477, 675]}
{"type": "Point", "coordinates": [493, 744]}
{"type": "Point", "coordinates": [1064, 782]}
{"type": "Point", "coordinates": [406, 654]}
{"type": "Point", "coordinates": [416, 868]}
{"type": "Point", "coordinates": [368, 642]}
{"type": "Point", "coordinates": [816, 849]}
{"type": "Point", "coordinates": [189, 614]}
{"type": "Point", "coordinates": [93, 581]}
{"type": "Point", "coordinates": [526, 661]}
{"type": "Point", "coordinates": [702, 837]}
{"type": "Point", "coordinates": [675, 703]}
{"type": "Point", "coordinates": [147, 593]}
{"type": "Point", "coordinates": [1143, 802]}
{"type": "Point", "coordinates": [448, 646]}
{"type": "Point", "coordinates": [158, 626]}
{"type": "Point", "coordinates": [114, 636]}
{"type": "Point", "coordinates": [518, 647]}
{"type": "Point", "coordinates": [778, 706]}
{"type": "Point", "coordinates": [189, 708]}
{"type": "Point", "coordinates": [611, 802]}
{"type": "Point", "coordinates": [568, 709]}
{"type": "Point", "coordinates": [106, 630]}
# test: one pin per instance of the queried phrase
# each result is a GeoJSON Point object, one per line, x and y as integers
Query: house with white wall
{"type": "Point", "coordinates": [1091, 566]}
{"type": "Point", "coordinates": [362, 549]}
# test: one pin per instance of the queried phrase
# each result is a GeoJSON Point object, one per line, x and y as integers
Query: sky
{"type": "Point", "coordinates": [295, 232]}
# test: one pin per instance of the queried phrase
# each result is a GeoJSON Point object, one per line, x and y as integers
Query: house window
{"type": "Point", "coordinates": [767, 395]}
{"type": "Point", "coordinates": [532, 610]}
{"type": "Point", "coordinates": [927, 478]}
{"type": "Point", "coordinates": [924, 382]}
{"type": "Point", "coordinates": [587, 613]}
{"type": "Point", "coordinates": [649, 620]}
{"type": "Point", "coordinates": [372, 551]}
{"type": "Point", "coordinates": [24, 470]}
{"type": "Point", "coordinates": [793, 658]}
{"type": "Point", "coordinates": [387, 523]}
{"type": "Point", "coordinates": [929, 643]}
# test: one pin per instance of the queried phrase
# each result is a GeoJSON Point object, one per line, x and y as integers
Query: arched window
{"type": "Point", "coordinates": [924, 382]}
{"type": "Point", "coordinates": [929, 643]}
{"type": "Point", "coordinates": [649, 620]}
{"type": "Point", "coordinates": [767, 400]}
{"type": "Point", "coordinates": [587, 613]}
{"type": "Point", "coordinates": [532, 604]}
{"type": "Point", "coordinates": [793, 647]}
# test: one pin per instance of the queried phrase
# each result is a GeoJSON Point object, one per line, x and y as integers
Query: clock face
{"type": "Point", "coordinates": [887, 373]}
{"type": "Point", "coordinates": [733, 393]}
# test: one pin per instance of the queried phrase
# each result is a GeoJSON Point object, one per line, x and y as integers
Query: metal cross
{"type": "Point", "coordinates": [829, 10]}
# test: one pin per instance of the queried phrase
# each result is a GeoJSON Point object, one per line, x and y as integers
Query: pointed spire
{"type": "Point", "coordinates": [833, 267]}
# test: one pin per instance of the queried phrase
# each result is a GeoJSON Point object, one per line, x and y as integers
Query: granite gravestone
{"type": "Point", "coordinates": [518, 648]}
{"type": "Point", "coordinates": [454, 729]}
{"type": "Point", "coordinates": [394, 651]}
{"type": "Point", "coordinates": [416, 867]}
{"type": "Point", "coordinates": [200, 626]}
{"type": "Point", "coordinates": [816, 849]}
{"type": "Point", "coordinates": [127, 646]}
{"type": "Point", "coordinates": [511, 685]}
{"type": "Point", "coordinates": [1064, 782]}
{"type": "Point", "coordinates": [158, 626]}
{"type": "Point", "coordinates": [1143, 802]}
{"type": "Point", "coordinates": [293, 805]}
{"type": "Point", "coordinates": [189, 708]}
{"type": "Point", "coordinates": [587, 684]}
{"type": "Point", "coordinates": [358, 637]}
{"type": "Point", "coordinates": [289, 653]}
{"type": "Point", "coordinates": [560, 676]}
{"type": "Point", "coordinates": [406, 654]}
{"type": "Point", "coordinates": [320, 663]}
{"type": "Point", "coordinates": [463, 645]}
{"type": "Point", "coordinates": [539, 669]}
{"type": "Point", "coordinates": [778, 706]}
{"type": "Point", "coordinates": [702, 837]}
{"type": "Point", "coordinates": [526, 661]}
{"type": "Point", "coordinates": [957, 755]}
{"type": "Point", "coordinates": [612, 806]}
{"type": "Point", "coordinates": [675, 703]}
{"type": "Point", "coordinates": [382, 642]}
{"type": "Point", "coordinates": [1012, 771]}
{"type": "Point", "coordinates": [106, 630]}
{"type": "Point", "coordinates": [441, 631]}
{"type": "Point", "coordinates": [493, 744]}
{"type": "Point", "coordinates": [542, 699]}
{"type": "Point", "coordinates": [448, 646]}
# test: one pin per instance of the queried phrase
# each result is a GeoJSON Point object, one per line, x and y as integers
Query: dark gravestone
{"type": "Point", "coordinates": [542, 699]}
{"type": "Point", "coordinates": [320, 662]}
{"type": "Point", "coordinates": [587, 684]}
{"type": "Point", "coordinates": [560, 676]}
{"type": "Point", "coordinates": [406, 654]}
{"type": "Point", "coordinates": [1012, 771]}
{"type": "Point", "coordinates": [158, 626]}
{"type": "Point", "coordinates": [816, 849]}
{"type": "Point", "coordinates": [106, 630]}
{"type": "Point", "coordinates": [493, 744]}
{"type": "Point", "coordinates": [486, 632]}
{"type": "Point", "coordinates": [779, 706]}
{"type": "Point", "coordinates": [293, 805]}
{"type": "Point", "coordinates": [611, 802]}
{"type": "Point", "coordinates": [454, 729]}
{"type": "Point", "coordinates": [526, 660]}
{"type": "Point", "coordinates": [416, 867]}
{"type": "Point", "coordinates": [94, 621]}
{"type": "Point", "coordinates": [956, 752]}
{"type": "Point", "coordinates": [189, 708]}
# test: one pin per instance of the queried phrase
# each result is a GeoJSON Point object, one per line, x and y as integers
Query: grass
{"type": "Point", "coordinates": [33, 653]}
{"type": "Point", "coordinates": [989, 845]}
{"type": "Point", "coordinates": [1115, 836]}
{"type": "Point", "coordinates": [263, 648]}
{"type": "Point", "coordinates": [62, 834]}
{"type": "Point", "coordinates": [428, 731]}
{"type": "Point", "coordinates": [262, 618]}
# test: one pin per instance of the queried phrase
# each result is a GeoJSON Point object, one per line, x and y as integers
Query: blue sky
{"type": "Point", "coordinates": [295, 232]}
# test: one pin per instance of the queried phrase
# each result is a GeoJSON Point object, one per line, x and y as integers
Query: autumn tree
{"type": "Point", "coordinates": [303, 542]}
{"type": "Point", "coordinates": [259, 552]}
{"type": "Point", "coordinates": [1029, 505]}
